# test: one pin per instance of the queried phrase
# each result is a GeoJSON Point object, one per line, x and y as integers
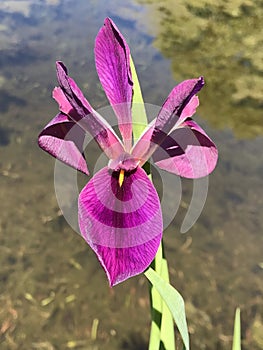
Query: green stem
{"type": "Point", "coordinates": [162, 325]}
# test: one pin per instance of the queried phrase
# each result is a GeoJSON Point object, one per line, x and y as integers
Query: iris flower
{"type": "Point", "coordinates": [119, 210]}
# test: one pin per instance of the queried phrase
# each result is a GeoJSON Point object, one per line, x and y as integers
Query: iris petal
{"type": "Point", "coordinates": [86, 117]}
{"type": "Point", "coordinates": [64, 139]}
{"type": "Point", "coordinates": [123, 263]}
{"type": "Point", "coordinates": [187, 151]}
{"type": "Point", "coordinates": [123, 225]}
{"type": "Point", "coordinates": [112, 57]}
{"type": "Point", "coordinates": [180, 102]}
{"type": "Point", "coordinates": [174, 106]}
{"type": "Point", "coordinates": [144, 142]}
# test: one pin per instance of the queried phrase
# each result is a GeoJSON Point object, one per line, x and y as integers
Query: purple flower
{"type": "Point", "coordinates": [119, 209]}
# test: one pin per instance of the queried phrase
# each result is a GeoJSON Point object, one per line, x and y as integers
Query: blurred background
{"type": "Point", "coordinates": [53, 292]}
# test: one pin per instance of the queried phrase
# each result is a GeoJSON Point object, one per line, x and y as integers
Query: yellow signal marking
{"type": "Point", "coordinates": [121, 177]}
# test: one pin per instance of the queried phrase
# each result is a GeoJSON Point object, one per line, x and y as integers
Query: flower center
{"type": "Point", "coordinates": [125, 161]}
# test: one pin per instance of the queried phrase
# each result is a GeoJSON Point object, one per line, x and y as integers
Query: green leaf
{"type": "Point", "coordinates": [139, 117]}
{"type": "Point", "coordinates": [237, 331]}
{"type": "Point", "coordinates": [174, 302]}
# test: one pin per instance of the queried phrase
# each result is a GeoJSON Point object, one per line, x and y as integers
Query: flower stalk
{"type": "Point", "coordinates": [162, 324]}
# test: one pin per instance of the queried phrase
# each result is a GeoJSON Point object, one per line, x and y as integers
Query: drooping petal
{"type": "Point", "coordinates": [112, 56]}
{"type": "Point", "coordinates": [123, 225]}
{"type": "Point", "coordinates": [187, 151]}
{"type": "Point", "coordinates": [85, 116]}
{"type": "Point", "coordinates": [64, 139]}
{"type": "Point", "coordinates": [123, 263]}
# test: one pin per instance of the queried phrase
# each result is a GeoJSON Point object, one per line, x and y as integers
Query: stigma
{"type": "Point", "coordinates": [121, 177]}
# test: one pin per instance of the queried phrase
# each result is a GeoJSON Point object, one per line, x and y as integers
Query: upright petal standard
{"type": "Point", "coordinates": [119, 209]}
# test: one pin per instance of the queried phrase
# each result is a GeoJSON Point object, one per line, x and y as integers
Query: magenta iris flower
{"type": "Point", "coordinates": [119, 209]}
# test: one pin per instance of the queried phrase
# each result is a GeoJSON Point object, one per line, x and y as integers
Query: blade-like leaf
{"type": "Point", "coordinates": [237, 332]}
{"type": "Point", "coordinates": [139, 117]}
{"type": "Point", "coordinates": [174, 302]}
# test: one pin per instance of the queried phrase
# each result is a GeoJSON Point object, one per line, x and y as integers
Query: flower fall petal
{"type": "Point", "coordinates": [122, 224]}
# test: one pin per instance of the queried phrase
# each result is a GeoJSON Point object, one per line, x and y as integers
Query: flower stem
{"type": "Point", "coordinates": [162, 325]}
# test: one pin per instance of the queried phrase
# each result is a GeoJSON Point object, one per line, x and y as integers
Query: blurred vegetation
{"type": "Point", "coordinates": [220, 40]}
